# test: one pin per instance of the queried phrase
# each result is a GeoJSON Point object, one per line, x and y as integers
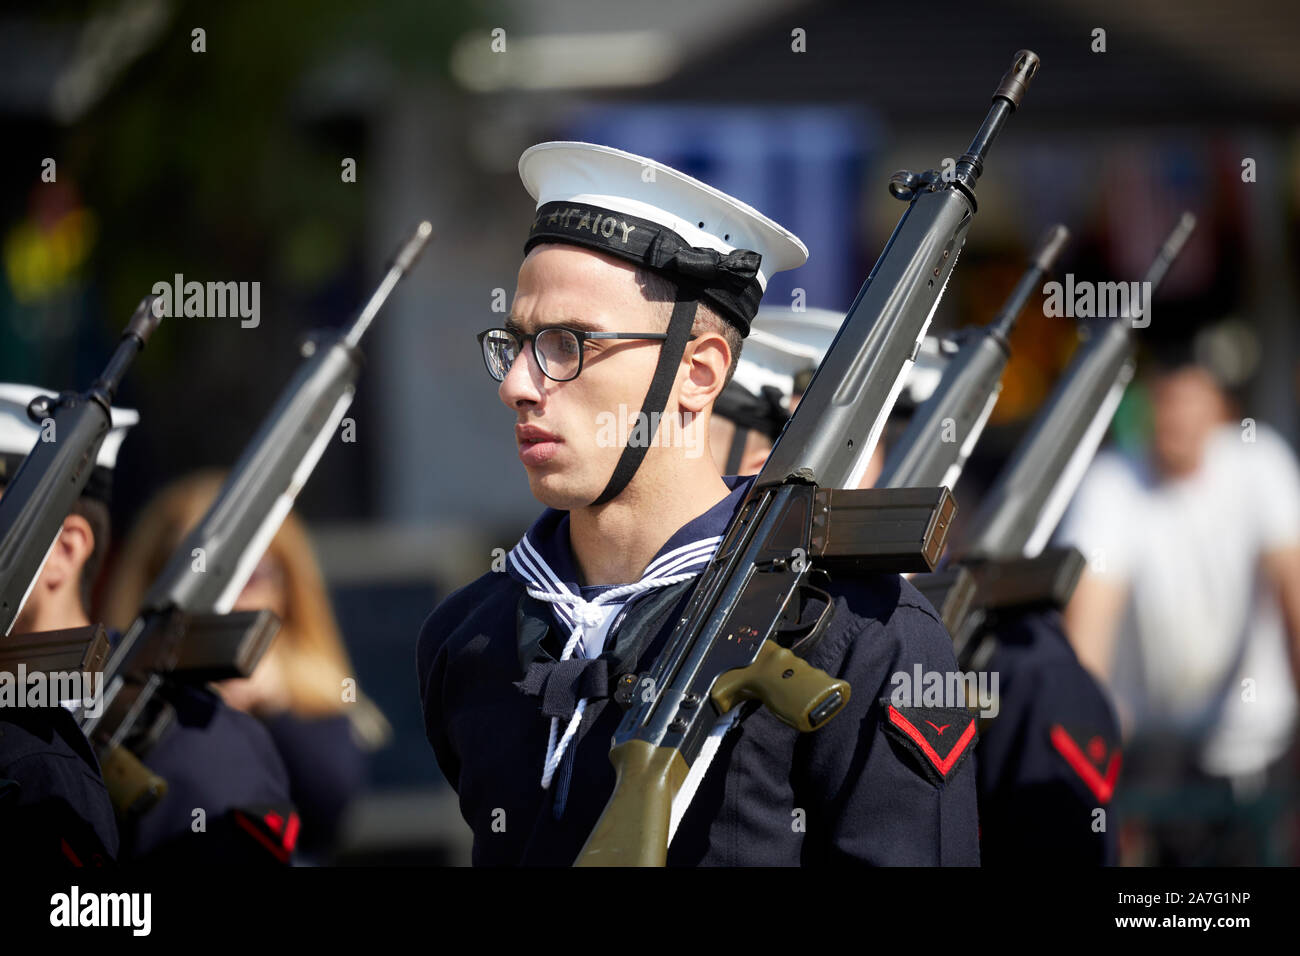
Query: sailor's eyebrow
{"type": "Point", "coordinates": [514, 325]}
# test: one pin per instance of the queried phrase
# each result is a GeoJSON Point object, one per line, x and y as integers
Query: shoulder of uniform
{"type": "Point", "coordinates": [911, 599]}
{"type": "Point", "coordinates": [494, 589]}
{"type": "Point", "coordinates": [887, 612]}
{"type": "Point", "coordinates": [889, 599]}
{"type": "Point", "coordinates": [1034, 653]}
{"type": "Point", "coordinates": [1039, 640]}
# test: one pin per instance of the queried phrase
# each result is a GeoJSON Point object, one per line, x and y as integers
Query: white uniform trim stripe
{"type": "Point", "coordinates": [537, 567]}
{"type": "Point", "coordinates": [704, 544]}
{"type": "Point", "coordinates": [700, 559]}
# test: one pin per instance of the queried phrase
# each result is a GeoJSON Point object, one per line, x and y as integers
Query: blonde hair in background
{"type": "Point", "coordinates": [308, 647]}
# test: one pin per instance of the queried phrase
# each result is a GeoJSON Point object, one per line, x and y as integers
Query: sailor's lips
{"type": "Point", "coordinates": [537, 446]}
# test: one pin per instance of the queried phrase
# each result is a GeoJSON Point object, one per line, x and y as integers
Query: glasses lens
{"type": "Point", "coordinates": [499, 352]}
{"type": "Point", "coordinates": [559, 353]}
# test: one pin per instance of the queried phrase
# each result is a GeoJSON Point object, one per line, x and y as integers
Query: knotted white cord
{"type": "Point", "coordinates": [586, 614]}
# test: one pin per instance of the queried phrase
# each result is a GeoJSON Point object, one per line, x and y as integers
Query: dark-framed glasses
{"type": "Point", "coordinates": [559, 350]}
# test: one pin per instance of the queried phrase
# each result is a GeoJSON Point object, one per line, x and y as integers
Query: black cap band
{"type": "Point", "coordinates": [99, 486]}
{"type": "Point", "coordinates": [727, 281]}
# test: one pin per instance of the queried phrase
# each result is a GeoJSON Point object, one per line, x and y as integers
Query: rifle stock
{"type": "Point", "coordinates": [633, 830]}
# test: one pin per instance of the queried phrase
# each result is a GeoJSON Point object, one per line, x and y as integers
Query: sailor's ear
{"type": "Point", "coordinates": [707, 359]}
{"type": "Point", "coordinates": [72, 549]}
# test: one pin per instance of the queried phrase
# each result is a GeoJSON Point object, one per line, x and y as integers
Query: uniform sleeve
{"type": "Point", "coordinates": [224, 774]}
{"type": "Point", "coordinates": [327, 771]}
{"type": "Point", "coordinates": [431, 669]}
{"type": "Point", "coordinates": [882, 800]}
{"type": "Point", "coordinates": [1050, 759]}
{"type": "Point", "coordinates": [54, 808]}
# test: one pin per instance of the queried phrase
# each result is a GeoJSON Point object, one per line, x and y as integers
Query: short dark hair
{"type": "Point", "coordinates": [657, 287]}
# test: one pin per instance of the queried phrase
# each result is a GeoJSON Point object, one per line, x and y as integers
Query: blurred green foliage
{"type": "Point", "coordinates": [226, 163]}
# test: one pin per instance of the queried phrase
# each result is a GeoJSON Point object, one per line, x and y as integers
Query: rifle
{"type": "Point", "coordinates": [1003, 547]}
{"type": "Point", "coordinates": [724, 651]}
{"type": "Point", "coordinates": [52, 476]}
{"type": "Point", "coordinates": [184, 630]}
{"type": "Point", "coordinates": [969, 387]}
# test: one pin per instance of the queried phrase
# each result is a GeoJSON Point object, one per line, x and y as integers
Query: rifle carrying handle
{"type": "Point", "coordinates": [132, 786]}
{"type": "Point", "coordinates": [633, 829]}
{"type": "Point", "coordinates": [792, 689]}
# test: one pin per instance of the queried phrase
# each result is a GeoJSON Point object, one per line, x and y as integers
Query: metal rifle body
{"type": "Point", "coordinates": [1029, 496]}
{"type": "Point", "coordinates": [188, 604]}
{"type": "Point", "coordinates": [724, 650]}
{"type": "Point", "coordinates": [1002, 551]}
{"type": "Point", "coordinates": [968, 390]}
{"type": "Point", "coordinates": [52, 477]}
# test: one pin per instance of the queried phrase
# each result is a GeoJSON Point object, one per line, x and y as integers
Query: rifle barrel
{"type": "Point", "coordinates": [1026, 501]}
{"type": "Point", "coordinates": [53, 475]}
{"type": "Point", "coordinates": [926, 455]}
{"type": "Point", "coordinates": [402, 263]}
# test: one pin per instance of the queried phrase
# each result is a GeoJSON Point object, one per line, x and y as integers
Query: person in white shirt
{"type": "Point", "coordinates": [1190, 608]}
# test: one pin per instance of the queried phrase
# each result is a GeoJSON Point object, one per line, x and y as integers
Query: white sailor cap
{"type": "Point", "coordinates": [645, 212]}
{"type": "Point", "coordinates": [784, 345]}
{"type": "Point", "coordinates": [19, 434]}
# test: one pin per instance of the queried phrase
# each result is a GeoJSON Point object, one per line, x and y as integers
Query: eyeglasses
{"type": "Point", "coordinates": [559, 350]}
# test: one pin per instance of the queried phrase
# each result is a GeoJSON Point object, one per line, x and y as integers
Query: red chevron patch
{"type": "Point", "coordinates": [939, 737]}
{"type": "Point", "coordinates": [277, 832]}
{"type": "Point", "coordinates": [1088, 761]}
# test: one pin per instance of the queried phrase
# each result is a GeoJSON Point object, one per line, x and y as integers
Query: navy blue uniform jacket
{"type": "Point", "coordinates": [222, 761]}
{"type": "Point", "coordinates": [327, 770]}
{"type": "Point", "coordinates": [1050, 759]}
{"type": "Point", "coordinates": [54, 807]}
{"type": "Point", "coordinates": [855, 790]}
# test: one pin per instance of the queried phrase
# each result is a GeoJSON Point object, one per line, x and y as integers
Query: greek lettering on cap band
{"type": "Point", "coordinates": [727, 281]}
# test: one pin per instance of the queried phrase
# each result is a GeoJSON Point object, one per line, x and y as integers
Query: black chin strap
{"type": "Point", "coordinates": [656, 396]}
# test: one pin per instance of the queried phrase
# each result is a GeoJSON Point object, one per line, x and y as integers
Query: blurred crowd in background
{"type": "Point", "coordinates": [214, 141]}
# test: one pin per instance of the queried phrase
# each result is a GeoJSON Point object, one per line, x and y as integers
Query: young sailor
{"type": "Point", "coordinates": [214, 758]}
{"type": "Point", "coordinates": [54, 806]}
{"type": "Point", "coordinates": [637, 287]}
